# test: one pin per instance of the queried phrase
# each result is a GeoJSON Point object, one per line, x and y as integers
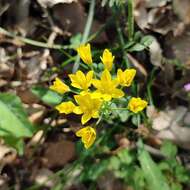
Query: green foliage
{"type": "Point", "coordinates": [169, 149]}
{"type": "Point", "coordinates": [112, 2]}
{"type": "Point", "coordinates": [139, 42]}
{"type": "Point", "coordinates": [14, 125]}
{"type": "Point", "coordinates": [152, 173]}
{"type": "Point", "coordinates": [47, 96]}
{"type": "Point", "coordinates": [174, 171]}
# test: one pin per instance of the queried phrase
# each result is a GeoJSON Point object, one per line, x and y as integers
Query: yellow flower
{"type": "Point", "coordinates": [126, 77]}
{"type": "Point", "coordinates": [88, 136]}
{"type": "Point", "coordinates": [88, 106]}
{"type": "Point", "coordinates": [137, 104]}
{"type": "Point", "coordinates": [79, 80]}
{"type": "Point", "coordinates": [84, 52]}
{"type": "Point", "coordinates": [66, 107]}
{"type": "Point", "coordinates": [106, 87]}
{"type": "Point", "coordinates": [107, 59]}
{"type": "Point", "coordinates": [59, 86]}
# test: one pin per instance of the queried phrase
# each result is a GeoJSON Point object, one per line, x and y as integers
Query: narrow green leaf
{"type": "Point", "coordinates": [47, 96]}
{"type": "Point", "coordinates": [152, 173]}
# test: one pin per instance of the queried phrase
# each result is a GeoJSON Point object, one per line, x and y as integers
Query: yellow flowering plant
{"type": "Point", "coordinates": [94, 92]}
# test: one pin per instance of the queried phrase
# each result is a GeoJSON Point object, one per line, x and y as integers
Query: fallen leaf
{"type": "Point", "coordinates": [59, 153]}
{"type": "Point", "coordinates": [51, 3]}
{"type": "Point", "coordinates": [156, 3]}
{"type": "Point", "coordinates": [37, 138]}
{"type": "Point", "coordinates": [165, 119]}
{"type": "Point", "coordinates": [177, 134]}
{"type": "Point", "coordinates": [5, 150]}
{"type": "Point", "coordinates": [43, 178]}
{"type": "Point", "coordinates": [179, 46]}
{"type": "Point", "coordinates": [182, 9]}
{"type": "Point", "coordinates": [137, 65]}
{"type": "Point", "coordinates": [155, 53]}
{"type": "Point", "coordinates": [74, 22]}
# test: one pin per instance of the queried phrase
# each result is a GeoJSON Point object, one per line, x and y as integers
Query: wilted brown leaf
{"type": "Point", "coordinates": [51, 3]}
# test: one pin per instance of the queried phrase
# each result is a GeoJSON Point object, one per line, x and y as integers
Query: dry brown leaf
{"type": "Point", "coordinates": [165, 119]}
{"type": "Point", "coordinates": [179, 46]}
{"type": "Point", "coordinates": [177, 134]}
{"type": "Point", "coordinates": [141, 14]}
{"type": "Point", "coordinates": [59, 153]}
{"type": "Point", "coordinates": [74, 22]}
{"type": "Point", "coordinates": [155, 3]}
{"type": "Point", "coordinates": [137, 64]}
{"type": "Point", "coordinates": [51, 3]}
{"type": "Point", "coordinates": [43, 178]}
{"type": "Point", "coordinates": [182, 9]}
{"type": "Point", "coordinates": [37, 138]}
{"type": "Point", "coordinates": [5, 150]}
{"type": "Point", "coordinates": [155, 53]}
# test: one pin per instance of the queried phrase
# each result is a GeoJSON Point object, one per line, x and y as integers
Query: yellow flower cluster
{"type": "Point", "coordinates": [95, 92]}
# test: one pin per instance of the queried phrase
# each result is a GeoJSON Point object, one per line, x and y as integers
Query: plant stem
{"type": "Point", "coordinates": [119, 108]}
{"type": "Point", "coordinates": [86, 31]}
{"type": "Point", "coordinates": [32, 42]}
{"type": "Point", "coordinates": [130, 19]}
{"type": "Point", "coordinates": [122, 44]}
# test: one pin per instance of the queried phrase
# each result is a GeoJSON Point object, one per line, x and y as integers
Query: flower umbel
{"type": "Point", "coordinates": [106, 87]}
{"type": "Point", "coordinates": [95, 91]}
{"type": "Point", "coordinates": [107, 59]}
{"type": "Point", "coordinates": [125, 78]}
{"type": "Point", "coordinates": [59, 86]}
{"type": "Point", "coordinates": [88, 136]}
{"type": "Point", "coordinates": [137, 104]}
{"type": "Point", "coordinates": [84, 52]}
{"type": "Point", "coordinates": [66, 107]}
{"type": "Point", "coordinates": [88, 106]}
{"type": "Point", "coordinates": [79, 80]}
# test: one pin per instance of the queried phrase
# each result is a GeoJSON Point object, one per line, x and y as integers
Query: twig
{"type": "Point", "coordinates": [86, 31]}
{"type": "Point", "coordinates": [33, 42]}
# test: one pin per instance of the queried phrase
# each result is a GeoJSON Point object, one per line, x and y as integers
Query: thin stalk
{"type": "Point", "coordinates": [119, 108]}
{"type": "Point", "coordinates": [32, 42]}
{"type": "Point", "coordinates": [122, 44]}
{"type": "Point", "coordinates": [86, 31]}
{"type": "Point", "coordinates": [130, 19]}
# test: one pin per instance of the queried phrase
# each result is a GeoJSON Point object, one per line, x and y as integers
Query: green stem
{"type": "Point", "coordinates": [122, 44]}
{"type": "Point", "coordinates": [119, 108]}
{"type": "Point", "coordinates": [86, 31]}
{"type": "Point", "coordinates": [32, 42]}
{"type": "Point", "coordinates": [98, 121]}
{"type": "Point", "coordinates": [130, 19]}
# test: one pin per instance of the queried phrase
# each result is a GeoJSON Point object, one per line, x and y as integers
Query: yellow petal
{"type": "Point", "coordinates": [117, 93]}
{"type": "Point", "coordinates": [126, 78]}
{"type": "Point", "coordinates": [107, 59]}
{"type": "Point", "coordinates": [88, 135]}
{"type": "Point", "coordinates": [84, 52]}
{"type": "Point", "coordinates": [77, 110]}
{"type": "Point", "coordinates": [137, 104]}
{"type": "Point", "coordinates": [106, 76]}
{"type": "Point", "coordinates": [66, 107]}
{"type": "Point", "coordinates": [96, 83]}
{"type": "Point", "coordinates": [59, 86]}
{"type": "Point", "coordinates": [89, 76]}
{"type": "Point", "coordinates": [85, 118]}
{"type": "Point", "coordinates": [79, 80]}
